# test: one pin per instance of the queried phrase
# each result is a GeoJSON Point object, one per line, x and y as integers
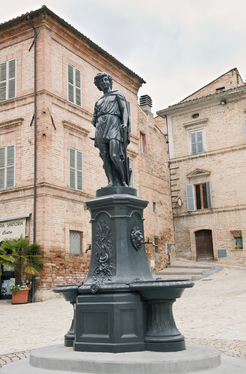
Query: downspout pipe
{"type": "Point", "coordinates": [35, 145]}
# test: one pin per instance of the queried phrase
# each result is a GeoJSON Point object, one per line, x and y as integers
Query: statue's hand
{"type": "Point", "coordinates": [123, 126]}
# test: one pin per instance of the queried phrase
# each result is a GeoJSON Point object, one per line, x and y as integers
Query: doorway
{"type": "Point", "coordinates": [204, 245]}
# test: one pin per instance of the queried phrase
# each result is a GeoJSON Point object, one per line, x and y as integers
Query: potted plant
{"type": "Point", "coordinates": [21, 256]}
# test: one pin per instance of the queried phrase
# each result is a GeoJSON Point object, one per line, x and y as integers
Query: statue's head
{"type": "Point", "coordinates": [98, 78]}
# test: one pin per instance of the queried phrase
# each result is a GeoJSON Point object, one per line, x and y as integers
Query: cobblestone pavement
{"type": "Point", "coordinates": [211, 313]}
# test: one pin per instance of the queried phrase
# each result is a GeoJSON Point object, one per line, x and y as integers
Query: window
{"type": "Point", "coordinates": [221, 89]}
{"type": "Point", "coordinates": [239, 243]}
{"type": "Point", "coordinates": [154, 206]}
{"type": "Point", "coordinates": [143, 143]}
{"type": "Point", "coordinates": [129, 112]}
{"type": "Point", "coordinates": [7, 167]}
{"type": "Point", "coordinates": [74, 84]}
{"type": "Point", "coordinates": [156, 245]}
{"type": "Point", "coordinates": [75, 169]}
{"type": "Point", "coordinates": [199, 196]}
{"type": "Point", "coordinates": [75, 241]}
{"type": "Point", "coordinates": [196, 139]}
{"type": "Point", "coordinates": [8, 80]}
{"type": "Point", "coordinates": [131, 182]}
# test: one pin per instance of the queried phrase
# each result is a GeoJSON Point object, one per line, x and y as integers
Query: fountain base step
{"type": "Point", "coordinates": [58, 359]}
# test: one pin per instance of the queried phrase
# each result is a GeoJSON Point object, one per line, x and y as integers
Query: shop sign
{"type": "Point", "coordinates": [12, 229]}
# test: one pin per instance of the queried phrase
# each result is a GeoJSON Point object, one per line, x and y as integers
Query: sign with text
{"type": "Point", "coordinates": [12, 229]}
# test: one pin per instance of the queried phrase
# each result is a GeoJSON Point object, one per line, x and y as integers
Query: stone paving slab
{"type": "Point", "coordinates": [211, 313]}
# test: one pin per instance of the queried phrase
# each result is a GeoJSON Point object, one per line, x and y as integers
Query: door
{"type": "Point", "coordinates": [204, 245]}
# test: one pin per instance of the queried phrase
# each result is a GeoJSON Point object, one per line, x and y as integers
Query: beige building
{"type": "Point", "coordinates": [207, 148]}
{"type": "Point", "coordinates": [68, 167]}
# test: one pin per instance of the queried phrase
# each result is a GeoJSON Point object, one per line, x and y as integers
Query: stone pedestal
{"type": "Point", "coordinates": [109, 322]}
{"type": "Point", "coordinates": [117, 255]}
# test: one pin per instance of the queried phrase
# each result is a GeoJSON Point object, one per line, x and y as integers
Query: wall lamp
{"type": "Point", "coordinates": [223, 102]}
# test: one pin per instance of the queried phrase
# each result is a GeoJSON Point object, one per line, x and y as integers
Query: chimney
{"type": "Point", "coordinates": [146, 103]}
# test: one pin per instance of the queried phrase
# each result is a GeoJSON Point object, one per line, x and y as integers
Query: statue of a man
{"type": "Point", "coordinates": [111, 119]}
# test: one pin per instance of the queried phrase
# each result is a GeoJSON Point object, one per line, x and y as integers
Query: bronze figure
{"type": "Point", "coordinates": [111, 119]}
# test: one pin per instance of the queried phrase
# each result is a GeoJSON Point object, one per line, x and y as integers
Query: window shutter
{"type": "Point", "coordinates": [78, 87]}
{"type": "Point", "coordinates": [2, 169]}
{"type": "Point", "coordinates": [71, 168]}
{"type": "Point", "coordinates": [129, 112]}
{"type": "Point", "coordinates": [199, 142]}
{"type": "Point", "coordinates": [11, 92]}
{"type": "Point", "coordinates": [209, 195]}
{"type": "Point", "coordinates": [193, 143]}
{"type": "Point", "coordinates": [131, 182]}
{"type": "Point", "coordinates": [190, 197]}
{"type": "Point", "coordinates": [70, 83]}
{"type": "Point", "coordinates": [196, 139]}
{"type": "Point", "coordinates": [79, 170]}
{"type": "Point", "coordinates": [3, 77]}
{"type": "Point", "coordinates": [10, 166]}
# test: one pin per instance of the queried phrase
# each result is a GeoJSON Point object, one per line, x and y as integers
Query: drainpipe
{"type": "Point", "coordinates": [35, 144]}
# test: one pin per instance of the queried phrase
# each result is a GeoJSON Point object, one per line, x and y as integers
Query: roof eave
{"type": "Point", "coordinates": [203, 101]}
{"type": "Point", "coordinates": [66, 24]}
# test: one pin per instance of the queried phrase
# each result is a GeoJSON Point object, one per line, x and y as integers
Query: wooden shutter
{"type": "Point", "coordinates": [74, 85]}
{"type": "Point", "coordinates": [11, 79]}
{"type": "Point", "coordinates": [129, 113]}
{"type": "Point", "coordinates": [75, 169]}
{"type": "Point", "coordinates": [199, 139]}
{"type": "Point", "coordinates": [10, 182]}
{"type": "Point", "coordinates": [79, 170]}
{"type": "Point", "coordinates": [3, 78]}
{"type": "Point", "coordinates": [78, 87]}
{"type": "Point", "coordinates": [71, 168]}
{"type": "Point", "coordinates": [190, 197]}
{"type": "Point", "coordinates": [70, 79]}
{"type": "Point", "coordinates": [196, 139]}
{"type": "Point", "coordinates": [2, 168]}
{"type": "Point", "coordinates": [193, 142]}
{"type": "Point", "coordinates": [209, 195]}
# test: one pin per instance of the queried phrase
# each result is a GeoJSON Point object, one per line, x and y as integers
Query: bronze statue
{"type": "Point", "coordinates": [111, 119]}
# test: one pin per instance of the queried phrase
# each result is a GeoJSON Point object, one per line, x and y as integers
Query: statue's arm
{"type": "Point", "coordinates": [123, 108]}
{"type": "Point", "coordinates": [94, 117]}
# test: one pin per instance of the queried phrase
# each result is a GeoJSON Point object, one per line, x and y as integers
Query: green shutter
{"type": "Point", "coordinates": [3, 77]}
{"type": "Point", "coordinates": [209, 195]}
{"type": "Point", "coordinates": [190, 197]}
{"type": "Point", "coordinates": [79, 170]}
{"type": "Point", "coordinates": [2, 168]}
{"type": "Point", "coordinates": [10, 182]}
{"type": "Point", "coordinates": [71, 168]}
{"type": "Point", "coordinates": [78, 87]}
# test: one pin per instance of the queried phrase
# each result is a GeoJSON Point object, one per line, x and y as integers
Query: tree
{"type": "Point", "coordinates": [21, 256]}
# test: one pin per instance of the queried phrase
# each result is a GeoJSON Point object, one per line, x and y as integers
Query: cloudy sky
{"type": "Point", "coordinates": [177, 46]}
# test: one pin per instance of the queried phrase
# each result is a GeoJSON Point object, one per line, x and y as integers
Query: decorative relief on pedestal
{"type": "Point", "coordinates": [103, 264]}
{"type": "Point", "coordinates": [136, 238]}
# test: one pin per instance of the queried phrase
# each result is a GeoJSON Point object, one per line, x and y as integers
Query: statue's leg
{"type": "Point", "coordinates": [114, 152]}
{"type": "Point", "coordinates": [104, 154]}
